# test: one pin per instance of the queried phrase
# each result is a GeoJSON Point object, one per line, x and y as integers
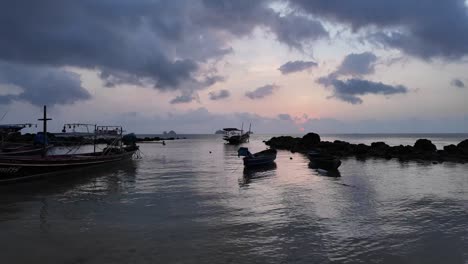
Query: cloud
{"type": "Point", "coordinates": [349, 90]}
{"type": "Point", "coordinates": [284, 117]}
{"type": "Point", "coordinates": [185, 97]}
{"type": "Point", "coordinates": [41, 85]}
{"type": "Point", "coordinates": [163, 44]}
{"type": "Point", "coordinates": [262, 92]}
{"type": "Point", "coordinates": [295, 30]}
{"type": "Point", "coordinates": [423, 28]}
{"type": "Point", "coordinates": [458, 83]}
{"type": "Point", "coordinates": [219, 95]}
{"type": "Point", "coordinates": [357, 64]}
{"type": "Point", "coordinates": [296, 66]}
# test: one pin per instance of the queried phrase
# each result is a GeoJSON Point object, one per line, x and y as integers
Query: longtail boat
{"type": "Point", "coordinates": [18, 168]}
{"type": "Point", "coordinates": [262, 158]}
{"type": "Point", "coordinates": [236, 136]}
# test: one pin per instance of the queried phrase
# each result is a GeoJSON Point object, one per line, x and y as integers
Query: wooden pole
{"type": "Point", "coordinates": [44, 131]}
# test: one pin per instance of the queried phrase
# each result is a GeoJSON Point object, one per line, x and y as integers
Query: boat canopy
{"type": "Point", "coordinates": [231, 129]}
{"type": "Point", "coordinates": [244, 152]}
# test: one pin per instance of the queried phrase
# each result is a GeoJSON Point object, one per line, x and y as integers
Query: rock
{"type": "Point", "coordinates": [361, 149]}
{"type": "Point", "coordinates": [171, 134]}
{"type": "Point", "coordinates": [380, 149]}
{"type": "Point", "coordinates": [380, 145]}
{"type": "Point", "coordinates": [463, 146]}
{"type": "Point", "coordinates": [423, 149]}
{"type": "Point", "coordinates": [283, 142]}
{"type": "Point", "coordinates": [452, 149]}
{"type": "Point", "coordinates": [309, 141]}
{"type": "Point", "coordinates": [424, 145]}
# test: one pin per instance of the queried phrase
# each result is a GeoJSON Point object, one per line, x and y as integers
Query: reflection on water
{"type": "Point", "coordinates": [323, 172]}
{"type": "Point", "coordinates": [253, 173]}
{"type": "Point", "coordinates": [191, 201]}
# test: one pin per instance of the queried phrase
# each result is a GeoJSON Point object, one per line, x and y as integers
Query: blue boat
{"type": "Point", "coordinates": [262, 158]}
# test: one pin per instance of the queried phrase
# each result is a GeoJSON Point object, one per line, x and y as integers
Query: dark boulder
{"type": "Point", "coordinates": [451, 149]}
{"type": "Point", "coordinates": [380, 149]}
{"type": "Point", "coordinates": [463, 146]}
{"type": "Point", "coordinates": [379, 145]}
{"type": "Point", "coordinates": [361, 149]}
{"type": "Point", "coordinates": [283, 142]}
{"type": "Point", "coordinates": [310, 140]}
{"type": "Point", "coordinates": [424, 145]}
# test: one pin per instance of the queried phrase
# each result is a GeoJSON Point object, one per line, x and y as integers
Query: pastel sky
{"type": "Point", "coordinates": [288, 66]}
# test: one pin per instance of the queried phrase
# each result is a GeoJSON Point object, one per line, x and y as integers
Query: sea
{"type": "Point", "coordinates": [192, 201]}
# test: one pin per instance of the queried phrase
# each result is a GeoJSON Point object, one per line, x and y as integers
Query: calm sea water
{"type": "Point", "coordinates": [182, 204]}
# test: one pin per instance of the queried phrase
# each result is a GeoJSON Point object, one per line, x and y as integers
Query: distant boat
{"type": "Point", "coordinates": [262, 158]}
{"type": "Point", "coordinates": [236, 136]}
{"type": "Point", "coordinates": [323, 161]}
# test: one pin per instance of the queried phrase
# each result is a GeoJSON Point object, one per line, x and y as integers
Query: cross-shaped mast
{"type": "Point", "coordinates": [44, 120]}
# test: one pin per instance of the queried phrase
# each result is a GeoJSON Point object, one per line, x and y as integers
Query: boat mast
{"type": "Point", "coordinates": [95, 136]}
{"type": "Point", "coordinates": [242, 128]}
{"type": "Point", "coordinates": [44, 120]}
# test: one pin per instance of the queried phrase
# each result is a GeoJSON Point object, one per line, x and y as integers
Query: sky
{"type": "Point", "coordinates": [195, 66]}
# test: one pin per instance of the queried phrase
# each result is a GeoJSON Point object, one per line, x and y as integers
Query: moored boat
{"type": "Point", "coordinates": [323, 161]}
{"type": "Point", "coordinates": [17, 168]}
{"type": "Point", "coordinates": [262, 158]}
{"type": "Point", "coordinates": [22, 150]}
{"type": "Point", "coordinates": [236, 136]}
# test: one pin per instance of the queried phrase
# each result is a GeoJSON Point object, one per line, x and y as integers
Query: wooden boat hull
{"type": "Point", "coordinates": [263, 158]}
{"type": "Point", "coordinates": [23, 151]}
{"type": "Point", "coordinates": [326, 163]}
{"type": "Point", "coordinates": [235, 140]}
{"type": "Point", "coordinates": [253, 162]}
{"type": "Point", "coordinates": [323, 161]}
{"type": "Point", "coordinates": [13, 169]}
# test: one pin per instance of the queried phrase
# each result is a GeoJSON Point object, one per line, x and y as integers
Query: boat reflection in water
{"type": "Point", "coordinates": [258, 172]}
{"type": "Point", "coordinates": [323, 172]}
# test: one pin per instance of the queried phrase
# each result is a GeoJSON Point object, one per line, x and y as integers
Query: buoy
{"type": "Point", "coordinates": [210, 152]}
{"type": "Point", "coordinates": [290, 158]}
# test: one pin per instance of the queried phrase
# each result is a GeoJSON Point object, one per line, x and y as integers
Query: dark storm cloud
{"type": "Point", "coordinates": [424, 28]}
{"type": "Point", "coordinates": [41, 85]}
{"type": "Point", "coordinates": [163, 44]}
{"type": "Point", "coordinates": [185, 97]}
{"type": "Point", "coordinates": [262, 92]}
{"type": "Point", "coordinates": [219, 95]}
{"type": "Point", "coordinates": [296, 66]}
{"type": "Point", "coordinates": [458, 83]}
{"type": "Point", "coordinates": [350, 90]}
{"type": "Point", "coordinates": [242, 16]}
{"type": "Point", "coordinates": [295, 30]}
{"type": "Point", "coordinates": [357, 64]}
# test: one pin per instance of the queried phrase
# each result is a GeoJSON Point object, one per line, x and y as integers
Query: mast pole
{"type": "Point", "coordinates": [44, 131]}
{"type": "Point", "coordinates": [95, 135]}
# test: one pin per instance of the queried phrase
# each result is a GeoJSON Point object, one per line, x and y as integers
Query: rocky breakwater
{"type": "Point", "coordinates": [423, 149]}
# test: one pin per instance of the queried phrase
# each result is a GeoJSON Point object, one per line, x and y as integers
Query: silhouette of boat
{"type": "Point", "coordinates": [16, 149]}
{"type": "Point", "coordinates": [262, 158]}
{"type": "Point", "coordinates": [236, 136]}
{"type": "Point", "coordinates": [323, 161]}
{"type": "Point", "coordinates": [17, 168]}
